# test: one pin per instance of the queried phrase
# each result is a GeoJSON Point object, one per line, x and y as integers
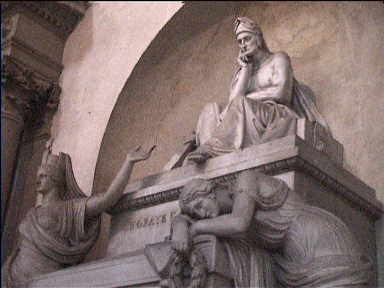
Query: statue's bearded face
{"type": "Point", "coordinates": [44, 182]}
{"type": "Point", "coordinates": [248, 43]}
{"type": "Point", "coordinates": [204, 207]}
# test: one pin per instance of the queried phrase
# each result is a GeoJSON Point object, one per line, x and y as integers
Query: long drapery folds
{"type": "Point", "coordinates": [303, 101]}
{"type": "Point", "coordinates": [55, 236]}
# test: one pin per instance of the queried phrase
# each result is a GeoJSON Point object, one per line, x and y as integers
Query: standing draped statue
{"type": "Point", "coordinates": [62, 230]}
{"type": "Point", "coordinates": [264, 103]}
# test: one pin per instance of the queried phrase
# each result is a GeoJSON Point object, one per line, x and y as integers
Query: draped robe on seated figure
{"type": "Point", "coordinates": [266, 110]}
{"type": "Point", "coordinates": [245, 121]}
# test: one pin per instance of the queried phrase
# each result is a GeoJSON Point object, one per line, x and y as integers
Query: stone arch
{"type": "Point", "coordinates": [98, 58]}
{"type": "Point", "coordinates": [129, 125]}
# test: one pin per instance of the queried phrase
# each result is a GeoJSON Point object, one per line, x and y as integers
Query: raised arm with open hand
{"type": "Point", "coordinates": [99, 203]}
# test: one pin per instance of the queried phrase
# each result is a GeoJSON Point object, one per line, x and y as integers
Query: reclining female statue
{"type": "Point", "coordinates": [264, 103]}
{"type": "Point", "coordinates": [62, 230]}
{"type": "Point", "coordinates": [309, 246]}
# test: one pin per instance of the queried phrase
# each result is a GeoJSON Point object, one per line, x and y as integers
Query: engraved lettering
{"type": "Point", "coordinates": [151, 221]}
{"type": "Point", "coordinates": [139, 224]}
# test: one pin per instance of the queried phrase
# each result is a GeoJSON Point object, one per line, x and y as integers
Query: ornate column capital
{"type": "Point", "coordinates": [38, 94]}
{"type": "Point", "coordinates": [33, 44]}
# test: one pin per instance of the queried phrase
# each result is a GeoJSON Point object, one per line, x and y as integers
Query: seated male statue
{"type": "Point", "coordinates": [62, 230]}
{"type": "Point", "coordinates": [264, 103]}
{"type": "Point", "coordinates": [310, 247]}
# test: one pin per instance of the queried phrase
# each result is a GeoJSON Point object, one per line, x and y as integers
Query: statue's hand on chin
{"type": "Point", "coordinates": [243, 59]}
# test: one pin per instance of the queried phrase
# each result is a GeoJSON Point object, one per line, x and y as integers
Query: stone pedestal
{"type": "Point", "coordinates": [144, 214]}
{"type": "Point", "coordinates": [134, 270]}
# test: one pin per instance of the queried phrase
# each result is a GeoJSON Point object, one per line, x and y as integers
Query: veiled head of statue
{"type": "Point", "coordinates": [58, 170]}
{"type": "Point", "coordinates": [51, 167]}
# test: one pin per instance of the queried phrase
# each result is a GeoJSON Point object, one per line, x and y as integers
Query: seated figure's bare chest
{"type": "Point", "coordinates": [263, 76]}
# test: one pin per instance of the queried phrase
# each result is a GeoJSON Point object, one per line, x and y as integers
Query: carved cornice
{"type": "Point", "coordinates": [126, 204]}
{"type": "Point", "coordinates": [41, 94]}
{"type": "Point", "coordinates": [12, 42]}
{"type": "Point", "coordinates": [25, 65]}
{"type": "Point", "coordinates": [274, 168]}
{"type": "Point", "coordinates": [25, 77]}
{"type": "Point", "coordinates": [63, 16]}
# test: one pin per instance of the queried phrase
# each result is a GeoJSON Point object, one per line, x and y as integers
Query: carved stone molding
{"type": "Point", "coordinates": [27, 64]}
{"type": "Point", "coordinates": [14, 43]}
{"type": "Point", "coordinates": [63, 16]}
{"type": "Point", "coordinates": [146, 201]}
{"type": "Point", "coordinates": [278, 167]}
{"type": "Point", "coordinates": [42, 94]}
{"type": "Point", "coordinates": [296, 161]}
{"type": "Point", "coordinates": [25, 77]}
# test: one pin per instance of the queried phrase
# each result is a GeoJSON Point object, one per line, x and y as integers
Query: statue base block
{"type": "Point", "coordinates": [136, 269]}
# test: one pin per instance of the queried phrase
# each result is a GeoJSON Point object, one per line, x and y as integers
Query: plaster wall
{"type": "Point", "coordinates": [98, 58]}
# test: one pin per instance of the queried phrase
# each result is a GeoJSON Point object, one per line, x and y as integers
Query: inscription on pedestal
{"type": "Point", "coordinates": [133, 230]}
{"type": "Point", "coordinates": [150, 221]}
